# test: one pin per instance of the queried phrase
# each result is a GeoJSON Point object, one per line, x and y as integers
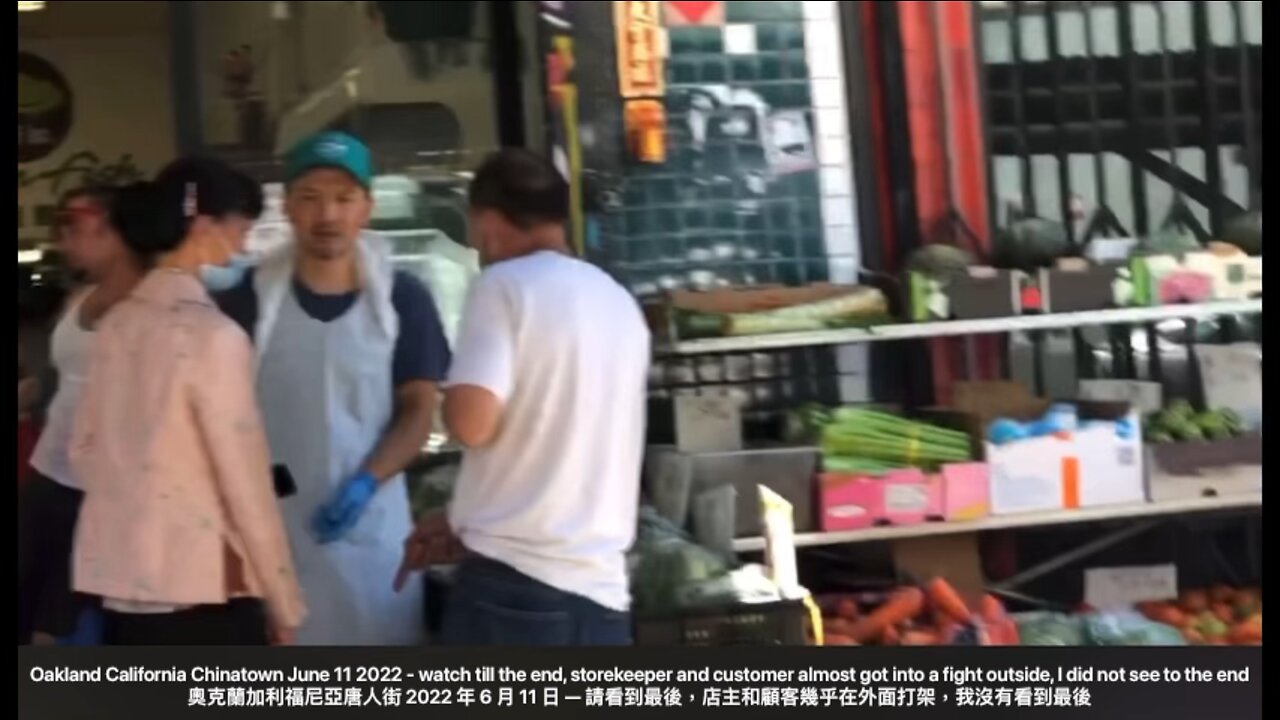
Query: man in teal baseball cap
{"type": "Point", "coordinates": [328, 200]}
{"type": "Point", "coordinates": [350, 352]}
{"type": "Point", "coordinates": [334, 151]}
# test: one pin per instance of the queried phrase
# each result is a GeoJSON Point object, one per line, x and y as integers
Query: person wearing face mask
{"type": "Point", "coordinates": [221, 278]}
{"type": "Point", "coordinates": [179, 533]}
{"type": "Point", "coordinates": [49, 504]}
{"type": "Point", "coordinates": [349, 352]}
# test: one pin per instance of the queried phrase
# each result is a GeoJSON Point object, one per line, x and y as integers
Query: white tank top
{"type": "Point", "coordinates": [69, 351]}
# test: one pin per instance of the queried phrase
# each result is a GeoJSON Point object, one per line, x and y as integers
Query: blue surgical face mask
{"type": "Point", "coordinates": [221, 278]}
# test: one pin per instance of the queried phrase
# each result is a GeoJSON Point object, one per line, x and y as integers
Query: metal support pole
{"type": "Point", "coordinates": [184, 77]}
{"type": "Point", "coordinates": [1084, 551]}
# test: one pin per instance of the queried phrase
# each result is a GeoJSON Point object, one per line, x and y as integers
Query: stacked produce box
{"type": "Point", "coordinates": [879, 468]}
{"type": "Point", "coordinates": [1048, 456]}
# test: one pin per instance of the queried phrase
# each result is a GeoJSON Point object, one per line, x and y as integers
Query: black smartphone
{"type": "Point", "coordinates": [283, 479]}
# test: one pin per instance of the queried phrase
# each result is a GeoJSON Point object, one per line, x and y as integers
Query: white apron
{"type": "Point", "coordinates": [326, 395]}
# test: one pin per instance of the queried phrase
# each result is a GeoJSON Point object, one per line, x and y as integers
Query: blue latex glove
{"type": "Point", "coordinates": [336, 518]}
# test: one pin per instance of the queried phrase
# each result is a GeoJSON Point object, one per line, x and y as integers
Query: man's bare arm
{"type": "Point", "coordinates": [472, 415]}
{"type": "Point", "coordinates": [415, 405]}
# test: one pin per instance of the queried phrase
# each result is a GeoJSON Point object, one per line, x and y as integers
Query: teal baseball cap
{"type": "Point", "coordinates": [335, 150]}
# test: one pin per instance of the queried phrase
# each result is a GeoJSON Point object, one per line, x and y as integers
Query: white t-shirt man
{"type": "Point", "coordinates": [555, 494]}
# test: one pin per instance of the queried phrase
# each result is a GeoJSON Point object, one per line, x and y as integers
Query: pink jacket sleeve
{"type": "Point", "coordinates": [227, 412]}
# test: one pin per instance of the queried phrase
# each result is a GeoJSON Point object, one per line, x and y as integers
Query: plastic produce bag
{"type": "Point", "coordinates": [714, 515]}
{"type": "Point", "coordinates": [1050, 630]}
{"type": "Point", "coordinates": [1129, 629]}
{"type": "Point", "coordinates": [670, 483]}
{"type": "Point", "coordinates": [664, 563]}
{"type": "Point", "coordinates": [746, 585]}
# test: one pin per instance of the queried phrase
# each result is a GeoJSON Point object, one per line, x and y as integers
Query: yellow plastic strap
{"type": "Point", "coordinates": [913, 450]}
{"type": "Point", "coordinates": [815, 617]}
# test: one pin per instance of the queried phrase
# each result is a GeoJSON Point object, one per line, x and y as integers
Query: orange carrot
{"type": "Point", "coordinates": [1011, 632]}
{"type": "Point", "coordinates": [946, 627]}
{"type": "Point", "coordinates": [902, 605]}
{"type": "Point", "coordinates": [991, 609]}
{"type": "Point", "coordinates": [921, 637]}
{"type": "Point", "coordinates": [1007, 633]}
{"type": "Point", "coordinates": [945, 598]}
{"type": "Point", "coordinates": [891, 636]}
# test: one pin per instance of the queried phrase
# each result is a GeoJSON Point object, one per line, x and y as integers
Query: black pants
{"type": "Point", "coordinates": [47, 514]}
{"type": "Point", "coordinates": [239, 622]}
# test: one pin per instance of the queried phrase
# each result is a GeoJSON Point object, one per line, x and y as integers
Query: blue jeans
{"type": "Point", "coordinates": [491, 604]}
{"type": "Point", "coordinates": [88, 629]}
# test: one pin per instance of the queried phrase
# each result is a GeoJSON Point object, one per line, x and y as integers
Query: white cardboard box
{"type": "Point", "coordinates": [1111, 467]}
{"type": "Point", "coordinates": [1088, 468]}
{"type": "Point", "coordinates": [1028, 476]}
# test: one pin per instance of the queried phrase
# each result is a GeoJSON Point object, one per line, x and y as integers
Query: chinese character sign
{"type": "Point", "coordinates": [640, 49]}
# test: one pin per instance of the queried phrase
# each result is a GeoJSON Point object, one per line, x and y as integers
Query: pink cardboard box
{"type": "Point", "coordinates": [901, 497]}
{"type": "Point", "coordinates": [966, 491]}
{"type": "Point", "coordinates": [909, 497]}
{"type": "Point", "coordinates": [959, 491]}
{"type": "Point", "coordinates": [849, 502]}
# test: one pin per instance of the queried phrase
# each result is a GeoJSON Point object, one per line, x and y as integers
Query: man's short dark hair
{"type": "Point", "coordinates": [523, 187]}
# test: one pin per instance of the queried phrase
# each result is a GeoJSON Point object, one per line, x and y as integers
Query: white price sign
{"type": "Point", "coordinates": [1146, 397]}
{"type": "Point", "coordinates": [707, 423]}
{"type": "Point", "coordinates": [1121, 587]}
{"type": "Point", "coordinates": [1232, 377]}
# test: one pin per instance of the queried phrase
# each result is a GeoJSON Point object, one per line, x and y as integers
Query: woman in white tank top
{"type": "Point", "coordinates": [69, 352]}
{"type": "Point", "coordinates": [49, 503]}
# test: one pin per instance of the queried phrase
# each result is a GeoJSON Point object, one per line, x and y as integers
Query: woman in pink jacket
{"type": "Point", "coordinates": [180, 533]}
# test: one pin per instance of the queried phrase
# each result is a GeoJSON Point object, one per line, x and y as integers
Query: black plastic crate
{"type": "Point", "coordinates": [782, 623]}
